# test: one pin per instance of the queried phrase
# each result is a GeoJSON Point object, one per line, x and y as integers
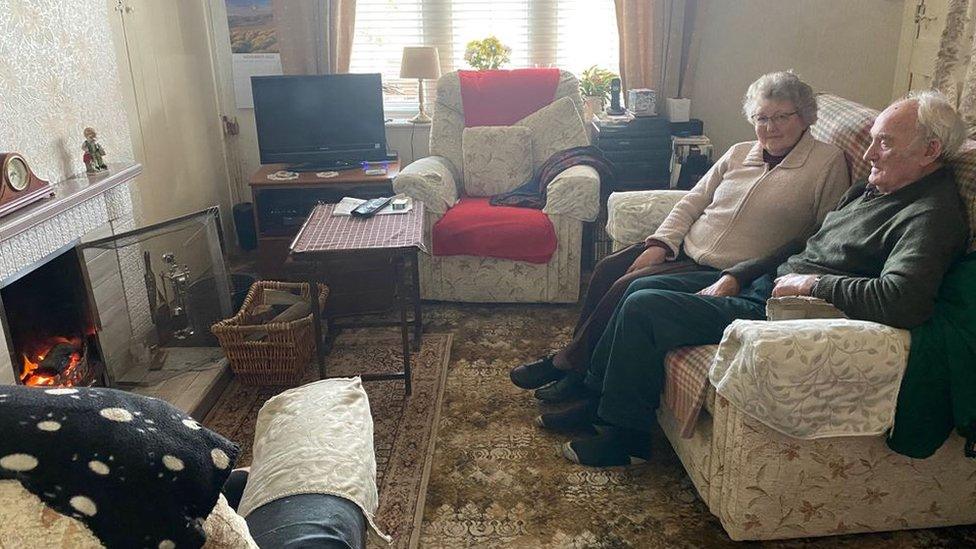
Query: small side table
{"type": "Point", "coordinates": [398, 238]}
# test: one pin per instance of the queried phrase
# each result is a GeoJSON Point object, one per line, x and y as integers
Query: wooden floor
{"type": "Point", "coordinates": [190, 378]}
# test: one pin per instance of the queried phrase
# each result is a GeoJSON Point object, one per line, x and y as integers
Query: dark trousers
{"type": "Point", "coordinates": [608, 284]}
{"type": "Point", "coordinates": [302, 520]}
{"type": "Point", "coordinates": [658, 314]}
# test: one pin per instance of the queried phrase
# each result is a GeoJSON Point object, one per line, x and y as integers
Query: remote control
{"type": "Point", "coordinates": [370, 207]}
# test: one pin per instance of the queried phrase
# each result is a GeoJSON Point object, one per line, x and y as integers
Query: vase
{"type": "Point", "coordinates": [592, 106]}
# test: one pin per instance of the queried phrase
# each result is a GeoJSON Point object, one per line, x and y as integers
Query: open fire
{"type": "Point", "coordinates": [58, 361]}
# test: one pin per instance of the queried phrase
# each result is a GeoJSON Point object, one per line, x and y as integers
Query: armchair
{"type": "Point", "coordinates": [762, 483]}
{"type": "Point", "coordinates": [572, 198]}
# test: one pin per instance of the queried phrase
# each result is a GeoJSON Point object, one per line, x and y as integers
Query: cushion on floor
{"type": "Point", "coordinates": [474, 227]}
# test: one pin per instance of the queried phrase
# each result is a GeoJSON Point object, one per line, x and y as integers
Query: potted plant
{"type": "Point", "coordinates": [487, 54]}
{"type": "Point", "coordinates": [595, 89]}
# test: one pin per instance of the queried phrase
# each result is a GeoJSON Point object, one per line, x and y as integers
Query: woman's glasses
{"type": "Point", "coordinates": [776, 119]}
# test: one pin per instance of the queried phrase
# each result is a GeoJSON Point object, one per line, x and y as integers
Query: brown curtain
{"type": "Point", "coordinates": [657, 43]}
{"type": "Point", "coordinates": [955, 72]}
{"type": "Point", "coordinates": [314, 36]}
{"type": "Point", "coordinates": [342, 27]}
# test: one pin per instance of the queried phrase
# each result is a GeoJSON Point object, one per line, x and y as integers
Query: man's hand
{"type": "Point", "coordinates": [794, 284]}
{"type": "Point", "coordinates": [654, 255]}
{"type": "Point", "coordinates": [724, 287]}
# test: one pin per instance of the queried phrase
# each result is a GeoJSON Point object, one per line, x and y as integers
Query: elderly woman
{"type": "Point", "coordinates": [758, 197]}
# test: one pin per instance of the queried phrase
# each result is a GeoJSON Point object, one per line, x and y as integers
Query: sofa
{"type": "Point", "coordinates": [441, 179]}
{"type": "Point", "coordinates": [761, 483]}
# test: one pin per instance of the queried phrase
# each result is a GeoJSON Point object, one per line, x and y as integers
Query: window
{"type": "Point", "coordinates": [569, 34]}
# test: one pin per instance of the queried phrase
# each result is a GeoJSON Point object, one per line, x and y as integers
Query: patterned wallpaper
{"type": "Point", "coordinates": [58, 74]}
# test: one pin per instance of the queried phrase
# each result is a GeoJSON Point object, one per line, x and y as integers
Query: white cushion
{"type": "Point", "coordinates": [555, 127]}
{"type": "Point", "coordinates": [496, 159]}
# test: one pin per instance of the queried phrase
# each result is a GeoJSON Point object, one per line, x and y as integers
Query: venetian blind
{"type": "Point", "coordinates": [568, 34]}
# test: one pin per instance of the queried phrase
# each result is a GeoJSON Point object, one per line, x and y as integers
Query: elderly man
{"type": "Point", "coordinates": [879, 256]}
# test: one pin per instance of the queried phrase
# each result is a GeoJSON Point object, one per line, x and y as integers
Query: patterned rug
{"type": "Point", "coordinates": [498, 482]}
{"type": "Point", "coordinates": [403, 428]}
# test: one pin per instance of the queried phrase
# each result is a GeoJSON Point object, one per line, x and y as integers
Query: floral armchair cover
{"type": "Point", "coordinates": [573, 197]}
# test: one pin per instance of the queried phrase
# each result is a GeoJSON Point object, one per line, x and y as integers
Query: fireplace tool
{"type": "Point", "coordinates": [177, 277]}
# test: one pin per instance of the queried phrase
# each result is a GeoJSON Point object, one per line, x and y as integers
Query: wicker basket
{"type": "Point", "coordinates": [282, 356]}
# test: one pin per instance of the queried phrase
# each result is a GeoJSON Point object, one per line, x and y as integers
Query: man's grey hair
{"type": "Point", "coordinates": [938, 120]}
{"type": "Point", "coordinates": [782, 86]}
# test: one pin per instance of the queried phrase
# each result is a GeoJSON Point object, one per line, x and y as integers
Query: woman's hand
{"type": "Point", "coordinates": [655, 255]}
{"type": "Point", "coordinates": [724, 287]}
{"type": "Point", "coordinates": [794, 284]}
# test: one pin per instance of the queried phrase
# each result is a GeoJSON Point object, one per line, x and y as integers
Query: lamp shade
{"type": "Point", "coordinates": [420, 62]}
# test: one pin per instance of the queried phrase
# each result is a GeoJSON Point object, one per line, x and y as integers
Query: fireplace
{"type": "Point", "coordinates": [49, 321]}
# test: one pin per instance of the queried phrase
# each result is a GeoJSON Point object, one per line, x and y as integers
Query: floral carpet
{"type": "Point", "coordinates": [403, 429]}
{"type": "Point", "coordinates": [497, 481]}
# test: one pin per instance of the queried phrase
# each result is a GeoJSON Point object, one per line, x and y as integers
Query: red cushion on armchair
{"type": "Point", "coordinates": [474, 227]}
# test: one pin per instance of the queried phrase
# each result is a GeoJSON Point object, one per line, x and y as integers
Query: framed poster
{"type": "Point", "coordinates": [253, 44]}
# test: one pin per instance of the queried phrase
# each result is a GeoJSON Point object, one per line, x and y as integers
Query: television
{"type": "Point", "coordinates": [320, 122]}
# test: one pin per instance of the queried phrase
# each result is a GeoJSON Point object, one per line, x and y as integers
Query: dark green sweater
{"type": "Point", "coordinates": [882, 258]}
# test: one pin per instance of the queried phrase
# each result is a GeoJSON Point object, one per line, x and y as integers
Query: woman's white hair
{"type": "Point", "coordinates": [782, 86]}
{"type": "Point", "coordinates": [938, 120]}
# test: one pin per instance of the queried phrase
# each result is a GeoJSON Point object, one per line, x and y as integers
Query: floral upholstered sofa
{"type": "Point", "coordinates": [763, 484]}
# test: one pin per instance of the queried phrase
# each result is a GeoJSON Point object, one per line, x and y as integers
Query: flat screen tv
{"type": "Point", "coordinates": [319, 122]}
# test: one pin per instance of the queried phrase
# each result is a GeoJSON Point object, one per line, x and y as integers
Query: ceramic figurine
{"type": "Point", "coordinates": [93, 152]}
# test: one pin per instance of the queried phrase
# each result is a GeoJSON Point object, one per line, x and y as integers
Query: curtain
{"type": "Point", "coordinates": [341, 30]}
{"type": "Point", "coordinates": [299, 25]}
{"type": "Point", "coordinates": [658, 46]}
{"type": "Point", "coordinates": [954, 73]}
{"type": "Point", "coordinates": [314, 36]}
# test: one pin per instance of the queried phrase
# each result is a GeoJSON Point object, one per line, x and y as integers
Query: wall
{"type": "Point", "coordinates": [844, 47]}
{"type": "Point", "coordinates": [58, 74]}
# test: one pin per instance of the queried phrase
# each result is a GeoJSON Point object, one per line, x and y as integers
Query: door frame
{"type": "Point", "coordinates": [223, 74]}
{"type": "Point", "coordinates": [906, 45]}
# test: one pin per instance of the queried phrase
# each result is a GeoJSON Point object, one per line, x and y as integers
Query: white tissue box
{"type": "Point", "coordinates": [679, 110]}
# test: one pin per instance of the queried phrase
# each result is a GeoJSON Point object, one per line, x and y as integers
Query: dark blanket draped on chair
{"type": "Point", "coordinates": [532, 193]}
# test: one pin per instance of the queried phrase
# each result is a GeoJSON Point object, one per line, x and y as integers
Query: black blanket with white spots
{"type": "Point", "coordinates": [136, 470]}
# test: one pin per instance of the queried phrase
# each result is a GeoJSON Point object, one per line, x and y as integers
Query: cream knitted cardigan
{"type": "Point", "coordinates": [742, 210]}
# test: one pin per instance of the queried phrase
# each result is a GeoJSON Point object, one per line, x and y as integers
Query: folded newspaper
{"type": "Point", "coordinates": [800, 307]}
{"type": "Point", "coordinates": [348, 204]}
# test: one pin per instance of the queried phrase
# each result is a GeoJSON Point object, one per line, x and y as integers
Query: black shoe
{"type": "Point", "coordinates": [567, 389]}
{"type": "Point", "coordinates": [613, 447]}
{"type": "Point", "coordinates": [535, 374]}
{"type": "Point", "coordinates": [578, 417]}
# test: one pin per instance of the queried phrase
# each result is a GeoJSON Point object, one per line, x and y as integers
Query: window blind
{"type": "Point", "coordinates": [568, 34]}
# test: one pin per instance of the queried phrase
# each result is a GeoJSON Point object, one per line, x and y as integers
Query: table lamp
{"type": "Point", "coordinates": [420, 62]}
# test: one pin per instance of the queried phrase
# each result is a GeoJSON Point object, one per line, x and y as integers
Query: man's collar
{"type": "Point", "coordinates": [870, 191]}
{"type": "Point", "coordinates": [796, 158]}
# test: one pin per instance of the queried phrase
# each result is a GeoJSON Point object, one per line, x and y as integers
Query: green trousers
{"type": "Point", "coordinates": [658, 314]}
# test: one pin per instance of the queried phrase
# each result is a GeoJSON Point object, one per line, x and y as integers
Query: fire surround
{"type": "Point", "coordinates": [83, 208]}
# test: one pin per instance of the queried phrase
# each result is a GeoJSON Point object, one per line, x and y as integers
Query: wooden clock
{"type": "Point", "coordinates": [18, 184]}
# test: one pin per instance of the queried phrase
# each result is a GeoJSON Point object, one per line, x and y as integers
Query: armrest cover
{"type": "Point", "coordinates": [429, 180]}
{"type": "Point", "coordinates": [634, 215]}
{"type": "Point", "coordinates": [575, 192]}
{"type": "Point", "coordinates": [813, 378]}
{"type": "Point", "coordinates": [300, 450]}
